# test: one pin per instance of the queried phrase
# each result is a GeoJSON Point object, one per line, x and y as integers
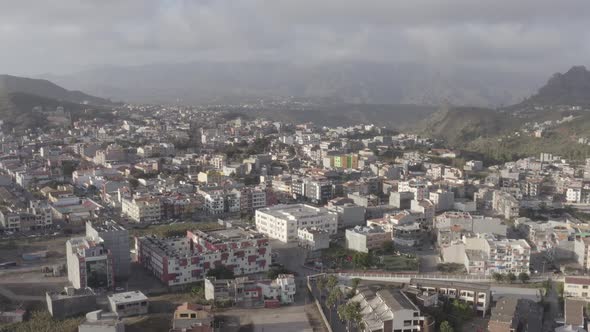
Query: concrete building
{"type": "Point", "coordinates": [582, 251]}
{"type": "Point", "coordinates": [313, 238]}
{"type": "Point", "coordinates": [515, 314]}
{"type": "Point", "coordinates": [100, 321]}
{"type": "Point", "coordinates": [282, 222]}
{"type": "Point", "coordinates": [24, 220]}
{"type": "Point", "coordinates": [442, 200]}
{"type": "Point", "coordinates": [388, 310]}
{"type": "Point", "coordinates": [244, 292]}
{"type": "Point", "coordinates": [577, 287]}
{"type": "Point", "coordinates": [89, 264]}
{"type": "Point", "coordinates": [142, 209]}
{"type": "Point", "coordinates": [364, 239]}
{"type": "Point", "coordinates": [485, 255]}
{"type": "Point", "coordinates": [182, 260]}
{"type": "Point", "coordinates": [349, 214]}
{"type": "Point", "coordinates": [128, 303]}
{"type": "Point", "coordinates": [190, 317]}
{"type": "Point", "coordinates": [401, 200]}
{"type": "Point", "coordinates": [505, 204]}
{"type": "Point", "coordinates": [71, 302]}
{"type": "Point", "coordinates": [114, 238]}
{"type": "Point", "coordinates": [222, 202]}
{"type": "Point", "coordinates": [479, 296]}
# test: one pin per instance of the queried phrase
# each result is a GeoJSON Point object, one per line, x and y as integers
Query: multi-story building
{"type": "Point", "coordinates": [364, 239]}
{"type": "Point", "coordinates": [388, 310]}
{"type": "Point", "coordinates": [485, 255]}
{"type": "Point", "coordinates": [89, 264]}
{"type": "Point", "coordinates": [582, 251]}
{"type": "Point", "coordinates": [577, 287]}
{"type": "Point", "coordinates": [182, 260]}
{"type": "Point", "coordinates": [479, 296]}
{"type": "Point", "coordinates": [17, 220]}
{"type": "Point", "coordinates": [114, 238]}
{"type": "Point", "coordinates": [418, 188]}
{"type": "Point", "coordinates": [505, 204]}
{"type": "Point", "coordinates": [282, 222]}
{"type": "Point", "coordinates": [313, 238]}
{"type": "Point", "coordinates": [222, 202]}
{"type": "Point", "coordinates": [246, 292]}
{"type": "Point", "coordinates": [128, 303]}
{"type": "Point", "coordinates": [252, 199]}
{"type": "Point", "coordinates": [143, 209]}
{"type": "Point", "coordinates": [442, 200]}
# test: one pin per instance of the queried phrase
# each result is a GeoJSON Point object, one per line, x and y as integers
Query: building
{"type": "Point", "coordinates": [577, 287]}
{"type": "Point", "coordinates": [485, 255]}
{"type": "Point", "coordinates": [222, 202]}
{"type": "Point", "coordinates": [142, 209]}
{"type": "Point", "coordinates": [100, 321]}
{"type": "Point", "coordinates": [17, 220]}
{"type": "Point", "coordinates": [114, 238]}
{"type": "Point", "coordinates": [505, 204]}
{"type": "Point", "coordinates": [313, 238]}
{"type": "Point", "coordinates": [349, 214]}
{"type": "Point", "coordinates": [182, 260]}
{"type": "Point", "coordinates": [364, 239]}
{"type": "Point", "coordinates": [71, 302]}
{"type": "Point", "coordinates": [582, 251]}
{"type": "Point", "coordinates": [190, 317]}
{"type": "Point", "coordinates": [515, 314]}
{"type": "Point", "coordinates": [442, 200]}
{"type": "Point", "coordinates": [244, 292]}
{"type": "Point", "coordinates": [282, 222]}
{"type": "Point", "coordinates": [477, 295]}
{"type": "Point", "coordinates": [388, 310]}
{"type": "Point", "coordinates": [89, 264]}
{"type": "Point", "coordinates": [128, 303]}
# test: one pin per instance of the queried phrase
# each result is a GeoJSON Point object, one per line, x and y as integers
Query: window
{"type": "Point", "coordinates": [193, 315]}
{"type": "Point", "coordinates": [183, 315]}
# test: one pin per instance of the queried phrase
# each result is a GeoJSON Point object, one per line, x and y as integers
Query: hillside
{"type": "Point", "coordinates": [43, 88]}
{"type": "Point", "coordinates": [571, 88]}
{"type": "Point", "coordinates": [355, 82]}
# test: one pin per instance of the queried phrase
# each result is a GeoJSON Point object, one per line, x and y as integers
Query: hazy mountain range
{"type": "Point", "coordinates": [347, 82]}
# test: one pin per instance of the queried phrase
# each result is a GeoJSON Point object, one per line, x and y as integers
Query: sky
{"type": "Point", "coordinates": [65, 36]}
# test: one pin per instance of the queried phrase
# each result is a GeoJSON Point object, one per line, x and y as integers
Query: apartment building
{"type": "Point", "coordinates": [89, 264]}
{"type": "Point", "coordinates": [577, 287]}
{"type": "Point", "coordinates": [479, 296]}
{"type": "Point", "coordinates": [221, 202]}
{"type": "Point", "coordinates": [182, 260]}
{"type": "Point", "coordinates": [364, 239]}
{"type": "Point", "coordinates": [505, 204]}
{"type": "Point", "coordinates": [114, 238]}
{"type": "Point", "coordinates": [388, 310]}
{"type": "Point", "coordinates": [142, 209]}
{"type": "Point", "coordinates": [483, 254]}
{"type": "Point", "coordinates": [582, 251]}
{"type": "Point", "coordinates": [282, 222]}
{"type": "Point", "coordinates": [24, 220]}
{"type": "Point", "coordinates": [245, 292]}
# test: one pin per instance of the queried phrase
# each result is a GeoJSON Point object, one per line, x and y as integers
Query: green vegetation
{"type": "Point", "coordinates": [524, 277]}
{"type": "Point", "coordinates": [446, 327]}
{"type": "Point", "coordinates": [351, 313]}
{"type": "Point", "coordinates": [274, 272]}
{"type": "Point", "coordinates": [42, 321]}
{"type": "Point", "coordinates": [399, 263]}
{"type": "Point", "coordinates": [451, 268]}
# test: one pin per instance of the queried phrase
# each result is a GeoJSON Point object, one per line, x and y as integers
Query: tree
{"type": "Point", "coordinates": [361, 259]}
{"type": "Point", "coordinates": [446, 327]}
{"type": "Point", "coordinates": [320, 282]}
{"type": "Point", "coordinates": [333, 298]}
{"type": "Point", "coordinates": [331, 282]}
{"type": "Point", "coordinates": [498, 277]}
{"type": "Point", "coordinates": [351, 313]}
{"type": "Point", "coordinates": [511, 277]}
{"type": "Point", "coordinates": [523, 277]}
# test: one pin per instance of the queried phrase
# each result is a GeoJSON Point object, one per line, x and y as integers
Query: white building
{"type": "Point", "coordinates": [142, 209]}
{"type": "Point", "coordinates": [578, 287]}
{"type": "Point", "coordinates": [89, 264]}
{"type": "Point", "coordinates": [282, 222]}
{"type": "Point", "coordinates": [128, 303]}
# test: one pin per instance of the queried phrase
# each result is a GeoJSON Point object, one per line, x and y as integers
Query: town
{"type": "Point", "coordinates": [163, 218]}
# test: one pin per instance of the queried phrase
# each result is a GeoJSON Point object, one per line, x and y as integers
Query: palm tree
{"type": "Point", "coordinates": [333, 298]}
{"type": "Point", "coordinates": [332, 282]}
{"type": "Point", "coordinates": [445, 327]}
{"type": "Point", "coordinates": [321, 284]}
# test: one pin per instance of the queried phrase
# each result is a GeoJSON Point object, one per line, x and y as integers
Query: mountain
{"type": "Point", "coordinates": [25, 103]}
{"type": "Point", "coordinates": [345, 82]}
{"type": "Point", "coordinates": [43, 88]}
{"type": "Point", "coordinates": [571, 88]}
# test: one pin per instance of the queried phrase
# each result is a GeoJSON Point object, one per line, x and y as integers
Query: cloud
{"type": "Point", "coordinates": [68, 35]}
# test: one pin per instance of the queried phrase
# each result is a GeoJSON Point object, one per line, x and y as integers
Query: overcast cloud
{"type": "Point", "coordinates": [60, 36]}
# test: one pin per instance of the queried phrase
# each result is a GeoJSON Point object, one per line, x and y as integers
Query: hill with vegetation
{"type": "Point", "coordinates": [25, 103]}
{"type": "Point", "coordinates": [570, 88]}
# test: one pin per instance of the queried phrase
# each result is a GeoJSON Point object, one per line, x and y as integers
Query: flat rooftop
{"type": "Point", "coordinates": [293, 211]}
{"type": "Point", "coordinates": [125, 297]}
